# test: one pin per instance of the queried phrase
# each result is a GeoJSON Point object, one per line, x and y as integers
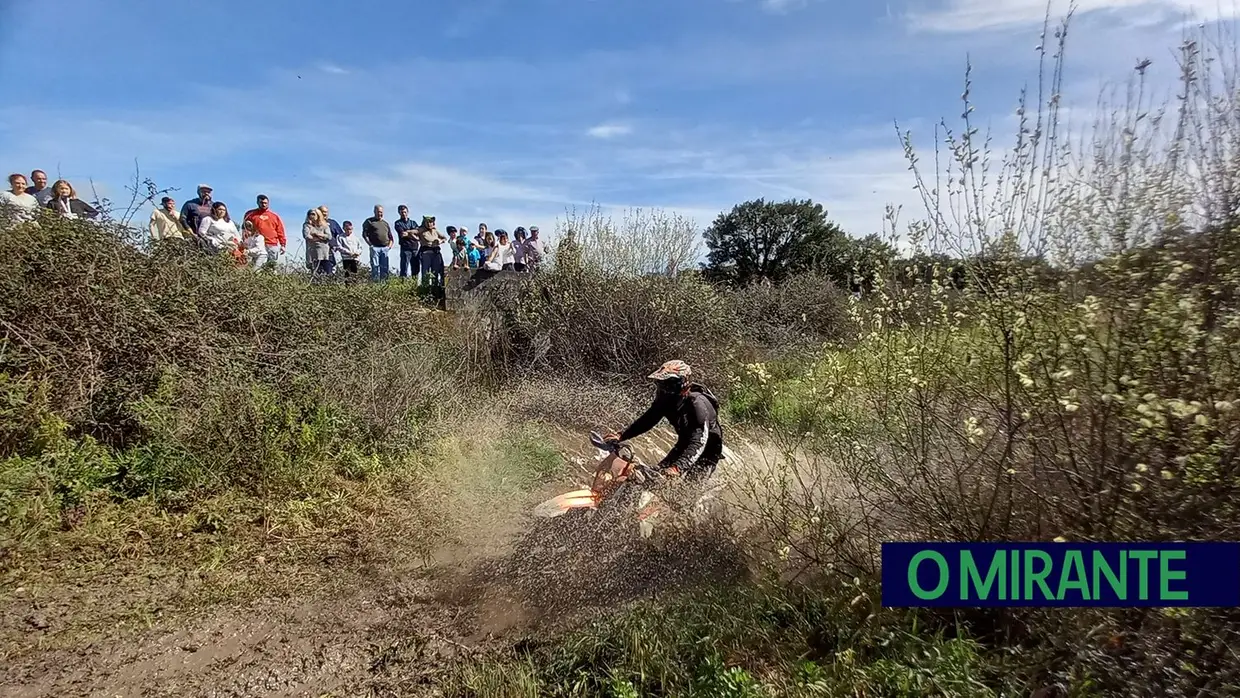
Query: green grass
{"type": "Point", "coordinates": [531, 456]}
{"type": "Point", "coordinates": [747, 643]}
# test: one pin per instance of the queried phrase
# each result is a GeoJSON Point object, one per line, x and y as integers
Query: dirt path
{"type": "Point", "coordinates": [391, 630]}
{"type": "Point", "coordinates": [394, 634]}
{"type": "Point", "coordinates": [342, 643]}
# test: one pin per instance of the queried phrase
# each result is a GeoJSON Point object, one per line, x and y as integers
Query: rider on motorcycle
{"type": "Point", "coordinates": [693, 412]}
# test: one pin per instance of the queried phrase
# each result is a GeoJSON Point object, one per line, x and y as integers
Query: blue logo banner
{"type": "Point", "coordinates": [1129, 575]}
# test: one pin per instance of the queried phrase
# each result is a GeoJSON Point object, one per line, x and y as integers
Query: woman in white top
{"type": "Point", "coordinates": [518, 248]}
{"type": "Point", "coordinates": [23, 203]}
{"type": "Point", "coordinates": [488, 251]}
{"type": "Point", "coordinates": [219, 231]}
{"type": "Point", "coordinates": [503, 255]}
{"type": "Point", "coordinates": [505, 252]}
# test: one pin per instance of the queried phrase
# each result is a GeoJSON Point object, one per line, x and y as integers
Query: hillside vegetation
{"type": "Point", "coordinates": [1059, 361]}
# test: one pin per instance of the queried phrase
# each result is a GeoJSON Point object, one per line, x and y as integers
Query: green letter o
{"type": "Point", "coordinates": [944, 575]}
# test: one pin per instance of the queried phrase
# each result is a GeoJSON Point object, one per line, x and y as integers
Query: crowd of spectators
{"type": "Point", "coordinates": [60, 197]}
{"type": "Point", "coordinates": [331, 247]}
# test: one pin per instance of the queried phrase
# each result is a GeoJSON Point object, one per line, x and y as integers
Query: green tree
{"type": "Point", "coordinates": [770, 240]}
{"type": "Point", "coordinates": [857, 261]}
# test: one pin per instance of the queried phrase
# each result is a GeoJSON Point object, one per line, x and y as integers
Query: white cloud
{"type": "Point", "coordinates": [332, 69]}
{"type": "Point", "coordinates": [781, 6]}
{"type": "Point", "coordinates": [973, 15]}
{"type": "Point", "coordinates": [609, 130]}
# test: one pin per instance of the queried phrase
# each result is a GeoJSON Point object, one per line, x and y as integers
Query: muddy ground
{"type": "Point", "coordinates": [375, 632]}
{"type": "Point", "coordinates": [340, 643]}
{"type": "Point", "coordinates": [381, 630]}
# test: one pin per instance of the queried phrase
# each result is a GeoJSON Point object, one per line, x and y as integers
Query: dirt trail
{"type": "Point", "coordinates": [389, 631]}
{"type": "Point", "coordinates": [343, 643]}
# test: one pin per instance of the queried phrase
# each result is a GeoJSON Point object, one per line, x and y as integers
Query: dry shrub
{"type": "Point", "coordinates": [102, 320]}
{"type": "Point", "coordinates": [573, 320]}
{"type": "Point", "coordinates": [620, 299]}
{"type": "Point", "coordinates": [804, 311]}
{"type": "Point", "coordinates": [169, 376]}
{"type": "Point", "coordinates": [643, 241]}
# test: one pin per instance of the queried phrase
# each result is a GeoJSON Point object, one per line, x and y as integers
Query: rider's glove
{"type": "Point", "coordinates": [612, 438]}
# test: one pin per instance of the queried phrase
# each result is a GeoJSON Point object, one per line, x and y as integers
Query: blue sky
{"type": "Point", "coordinates": [509, 111]}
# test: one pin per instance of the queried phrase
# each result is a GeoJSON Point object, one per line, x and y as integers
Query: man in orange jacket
{"type": "Point", "coordinates": [270, 226]}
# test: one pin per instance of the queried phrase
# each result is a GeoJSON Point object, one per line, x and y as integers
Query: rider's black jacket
{"type": "Point", "coordinates": [695, 417]}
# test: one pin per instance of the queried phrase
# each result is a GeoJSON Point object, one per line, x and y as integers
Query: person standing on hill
{"type": "Point", "coordinates": [268, 224]}
{"type": "Point", "coordinates": [486, 250]}
{"type": "Point", "coordinates": [17, 196]}
{"type": "Point", "coordinates": [318, 241]}
{"type": "Point", "coordinates": [65, 202]}
{"type": "Point", "coordinates": [253, 244]}
{"type": "Point", "coordinates": [219, 232]}
{"type": "Point", "coordinates": [535, 250]}
{"type": "Point", "coordinates": [349, 246]}
{"type": "Point", "coordinates": [410, 247]}
{"type": "Point", "coordinates": [196, 209]}
{"type": "Point", "coordinates": [378, 234]}
{"type": "Point", "coordinates": [430, 241]}
{"type": "Point", "coordinates": [518, 249]}
{"type": "Point", "coordinates": [337, 231]}
{"type": "Point", "coordinates": [166, 224]}
{"type": "Point", "coordinates": [39, 189]}
{"type": "Point", "coordinates": [458, 241]}
{"type": "Point", "coordinates": [503, 255]}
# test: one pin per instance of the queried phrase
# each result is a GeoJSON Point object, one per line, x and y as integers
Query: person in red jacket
{"type": "Point", "coordinates": [270, 226]}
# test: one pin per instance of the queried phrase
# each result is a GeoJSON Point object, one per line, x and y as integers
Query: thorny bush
{"type": "Point", "coordinates": [580, 321]}
{"type": "Point", "coordinates": [585, 322]}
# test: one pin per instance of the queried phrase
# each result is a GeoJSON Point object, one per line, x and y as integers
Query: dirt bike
{"type": "Point", "coordinates": [623, 491]}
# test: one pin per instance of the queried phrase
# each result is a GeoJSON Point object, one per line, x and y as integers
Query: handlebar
{"type": "Point", "coordinates": [618, 449]}
{"type": "Point", "coordinates": [602, 444]}
{"type": "Point", "coordinates": [635, 465]}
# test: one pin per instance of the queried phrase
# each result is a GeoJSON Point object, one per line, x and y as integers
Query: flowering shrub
{"type": "Point", "coordinates": [1090, 395]}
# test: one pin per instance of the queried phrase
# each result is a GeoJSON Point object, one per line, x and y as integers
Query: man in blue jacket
{"type": "Point", "coordinates": [194, 210]}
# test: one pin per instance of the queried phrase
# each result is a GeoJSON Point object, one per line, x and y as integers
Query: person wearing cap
{"type": "Point", "coordinates": [166, 223]}
{"type": "Point", "coordinates": [430, 254]}
{"type": "Point", "coordinates": [693, 411]}
{"type": "Point", "coordinates": [535, 250]}
{"type": "Point", "coordinates": [475, 248]}
{"type": "Point", "coordinates": [197, 208]}
{"type": "Point", "coordinates": [457, 240]}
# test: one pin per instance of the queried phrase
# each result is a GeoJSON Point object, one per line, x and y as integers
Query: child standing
{"type": "Point", "coordinates": [350, 248]}
{"type": "Point", "coordinates": [252, 243]}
